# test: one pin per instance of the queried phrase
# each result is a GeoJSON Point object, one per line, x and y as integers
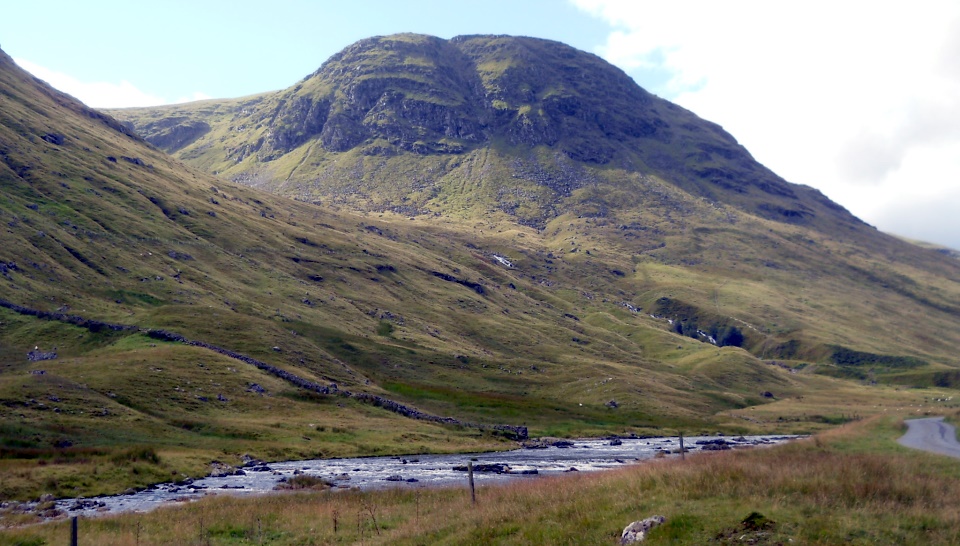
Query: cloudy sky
{"type": "Point", "coordinates": [858, 99]}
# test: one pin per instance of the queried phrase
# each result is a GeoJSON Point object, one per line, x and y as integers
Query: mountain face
{"type": "Point", "coordinates": [567, 241]}
{"type": "Point", "coordinates": [143, 302]}
{"type": "Point", "coordinates": [399, 122]}
{"type": "Point", "coordinates": [498, 132]}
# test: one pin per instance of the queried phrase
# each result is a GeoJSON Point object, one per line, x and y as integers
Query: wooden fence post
{"type": "Point", "coordinates": [73, 531]}
{"type": "Point", "coordinates": [473, 493]}
{"type": "Point", "coordinates": [682, 455]}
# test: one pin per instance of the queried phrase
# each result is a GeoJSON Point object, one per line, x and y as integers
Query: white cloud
{"type": "Point", "coordinates": [859, 99]}
{"type": "Point", "coordinates": [927, 218]}
{"type": "Point", "coordinates": [101, 94]}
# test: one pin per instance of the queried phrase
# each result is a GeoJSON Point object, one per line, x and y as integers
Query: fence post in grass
{"type": "Point", "coordinates": [682, 455]}
{"type": "Point", "coordinates": [473, 493]}
{"type": "Point", "coordinates": [73, 531]}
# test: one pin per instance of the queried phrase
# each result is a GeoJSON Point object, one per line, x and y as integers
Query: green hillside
{"type": "Point", "coordinates": [520, 283]}
{"type": "Point", "coordinates": [498, 133]}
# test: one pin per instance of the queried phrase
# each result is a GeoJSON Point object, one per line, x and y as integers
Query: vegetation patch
{"type": "Point", "coordinates": [304, 481]}
{"type": "Point", "coordinates": [843, 356]}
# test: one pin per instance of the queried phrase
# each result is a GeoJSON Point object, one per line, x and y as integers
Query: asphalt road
{"type": "Point", "coordinates": [931, 434]}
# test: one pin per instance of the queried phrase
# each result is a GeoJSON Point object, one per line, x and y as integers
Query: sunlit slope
{"type": "Point", "coordinates": [502, 136]}
{"type": "Point", "coordinates": [99, 225]}
{"type": "Point", "coordinates": [476, 316]}
{"type": "Point", "coordinates": [421, 125]}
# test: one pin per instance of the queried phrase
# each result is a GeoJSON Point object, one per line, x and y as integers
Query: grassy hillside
{"type": "Point", "coordinates": [99, 226]}
{"type": "Point", "coordinates": [649, 204]}
{"type": "Point", "coordinates": [614, 296]}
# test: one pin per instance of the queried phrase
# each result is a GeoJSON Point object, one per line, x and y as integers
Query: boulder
{"type": "Point", "coordinates": [637, 531]}
{"type": "Point", "coordinates": [38, 356]}
{"type": "Point", "coordinates": [53, 138]}
{"type": "Point", "coordinates": [220, 470]}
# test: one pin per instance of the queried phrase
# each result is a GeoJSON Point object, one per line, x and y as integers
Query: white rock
{"type": "Point", "coordinates": [637, 531]}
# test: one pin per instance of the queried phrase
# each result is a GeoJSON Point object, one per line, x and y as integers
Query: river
{"type": "Point", "coordinates": [412, 471]}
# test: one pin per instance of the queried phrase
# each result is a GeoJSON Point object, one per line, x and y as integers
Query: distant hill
{"type": "Point", "coordinates": [946, 251]}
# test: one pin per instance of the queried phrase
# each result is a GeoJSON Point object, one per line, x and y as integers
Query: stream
{"type": "Point", "coordinates": [368, 473]}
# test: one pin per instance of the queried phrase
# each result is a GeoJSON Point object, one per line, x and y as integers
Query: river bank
{"type": "Point", "coordinates": [853, 485]}
{"type": "Point", "coordinates": [414, 471]}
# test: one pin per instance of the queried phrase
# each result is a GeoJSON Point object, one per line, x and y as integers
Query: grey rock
{"type": "Point", "coordinates": [637, 531]}
{"type": "Point", "coordinates": [37, 356]}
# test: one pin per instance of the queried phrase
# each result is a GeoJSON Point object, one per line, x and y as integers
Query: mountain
{"type": "Point", "coordinates": [420, 125]}
{"type": "Point", "coordinates": [583, 273]}
{"type": "Point", "coordinates": [502, 131]}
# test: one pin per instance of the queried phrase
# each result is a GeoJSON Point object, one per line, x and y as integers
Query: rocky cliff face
{"type": "Point", "coordinates": [426, 95]}
{"type": "Point", "coordinates": [418, 95]}
{"type": "Point", "coordinates": [439, 103]}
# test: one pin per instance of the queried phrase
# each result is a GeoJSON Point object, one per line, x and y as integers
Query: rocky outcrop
{"type": "Point", "coordinates": [38, 356]}
{"type": "Point", "coordinates": [476, 287]}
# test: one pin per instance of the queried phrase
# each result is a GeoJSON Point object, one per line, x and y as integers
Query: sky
{"type": "Point", "coordinates": [859, 99]}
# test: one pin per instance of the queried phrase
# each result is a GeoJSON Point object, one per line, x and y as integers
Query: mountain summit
{"type": "Point", "coordinates": [401, 122]}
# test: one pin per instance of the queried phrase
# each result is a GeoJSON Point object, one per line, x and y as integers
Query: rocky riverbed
{"type": "Point", "coordinates": [542, 457]}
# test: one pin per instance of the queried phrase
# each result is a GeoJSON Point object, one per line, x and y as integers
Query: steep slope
{"type": "Point", "coordinates": [106, 240]}
{"type": "Point", "coordinates": [496, 131]}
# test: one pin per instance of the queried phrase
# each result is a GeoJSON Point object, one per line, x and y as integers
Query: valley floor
{"type": "Point", "coordinates": [851, 485]}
